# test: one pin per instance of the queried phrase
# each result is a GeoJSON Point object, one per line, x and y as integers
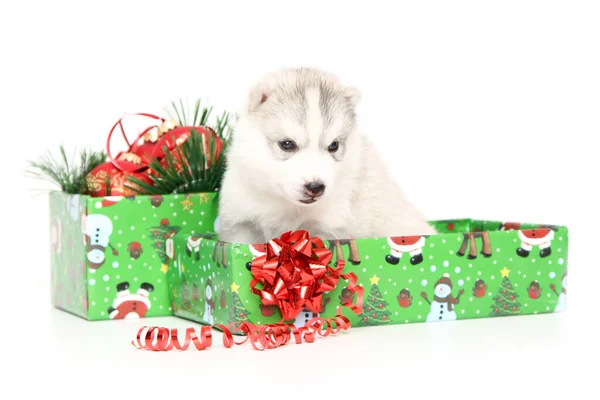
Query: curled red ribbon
{"type": "Point", "coordinates": [295, 273]}
{"type": "Point", "coordinates": [261, 337]}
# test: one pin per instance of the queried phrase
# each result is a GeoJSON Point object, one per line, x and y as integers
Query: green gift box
{"type": "Point", "coordinates": [469, 269]}
{"type": "Point", "coordinates": [110, 255]}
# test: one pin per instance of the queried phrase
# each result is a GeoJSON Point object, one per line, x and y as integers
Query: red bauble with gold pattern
{"type": "Point", "coordinates": [149, 145]}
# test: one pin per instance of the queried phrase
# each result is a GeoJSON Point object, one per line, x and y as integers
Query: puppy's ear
{"type": "Point", "coordinates": [259, 94]}
{"type": "Point", "coordinates": [353, 95]}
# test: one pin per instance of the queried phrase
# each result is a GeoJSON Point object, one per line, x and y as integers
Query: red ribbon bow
{"type": "Point", "coordinates": [295, 273]}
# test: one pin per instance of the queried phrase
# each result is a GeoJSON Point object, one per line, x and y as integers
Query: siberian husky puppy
{"type": "Point", "coordinates": [297, 161]}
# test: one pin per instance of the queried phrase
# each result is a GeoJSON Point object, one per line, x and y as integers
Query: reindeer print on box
{"type": "Point", "coordinates": [336, 248]}
{"type": "Point", "coordinates": [219, 255]}
{"type": "Point", "coordinates": [469, 240]}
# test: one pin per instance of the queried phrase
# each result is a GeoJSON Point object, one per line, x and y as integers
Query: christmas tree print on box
{"type": "Point", "coordinates": [468, 270]}
{"type": "Point", "coordinates": [110, 255]}
{"type": "Point", "coordinates": [505, 301]}
{"type": "Point", "coordinates": [375, 310]}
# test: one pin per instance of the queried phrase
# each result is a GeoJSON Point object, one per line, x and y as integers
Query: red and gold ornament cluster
{"type": "Point", "coordinates": [157, 134]}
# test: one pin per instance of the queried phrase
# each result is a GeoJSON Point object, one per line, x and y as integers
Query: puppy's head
{"type": "Point", "coordinates": [297, 134]}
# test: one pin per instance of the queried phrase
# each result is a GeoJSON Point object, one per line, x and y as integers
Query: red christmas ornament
{"type": "Point", "coordinates": [496, 310]}
{"type": "Point", "coordinates": [178, 136]}
{"type": "Point", "coordinates": [506, 306]}
{"type": "Point", "coordinates": [164, 221]}
{"type": "Point", "coordinates": [241, 314]}
{"type": "Point", "coordinates": [504, 292]}
{"type": "Point", "coordinates": [374, 315]}
{"type": "Point", "coordinates": [500, 300]}
{"type": "Point", "coordinates": [112, 177]}
{"type": "Point", "coordinates": [158, 134]}
{"type": "Point", "coordinates": [450, 227]}
{"type": "Point", "coordinates": [512, 297]}
{"type": "Point", "coordinates": [381, 306]}
{"type": "Point", "coordinates": [365, 319]}
{"type": "Point", "coordinates": [514, 308]}
{"type": "Point", "coordinates": [384, 318]}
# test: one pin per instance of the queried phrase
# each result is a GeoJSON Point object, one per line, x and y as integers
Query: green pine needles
{"type": "Point", "coordinates": [189, 170]}
{"type": "Point", "coordinates": [69, 176]}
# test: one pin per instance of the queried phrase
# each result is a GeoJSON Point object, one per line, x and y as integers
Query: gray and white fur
{"type": "Point", "coordinates": [298, 161]}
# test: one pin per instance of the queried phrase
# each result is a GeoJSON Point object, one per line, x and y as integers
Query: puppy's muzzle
{"type": "Point", "coordinates": [314, 189]}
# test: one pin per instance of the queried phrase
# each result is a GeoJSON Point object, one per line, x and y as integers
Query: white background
{"type": "Point", "coordinates": [483, 109]}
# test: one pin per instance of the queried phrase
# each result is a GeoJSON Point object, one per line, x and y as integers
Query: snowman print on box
{"type": "Point", "coordinates": [303, 317]}
{"type": "Point", "coordinates": [97, 229]}
{"type": "Point", "coordinates": [209, 305]}
{"type": "Point", "coordinates": [442, 306]}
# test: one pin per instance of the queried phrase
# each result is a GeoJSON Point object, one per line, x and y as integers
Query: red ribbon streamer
{"type": "Point", "coordinates": [261, 337]}
{"type": "Point", "coordinates": [295, 273]}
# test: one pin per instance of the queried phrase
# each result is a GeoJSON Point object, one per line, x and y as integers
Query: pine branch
{"type": "Point", "coordinates": [69, 176]}
{"type": "Point", "coordinates": [187, 172]}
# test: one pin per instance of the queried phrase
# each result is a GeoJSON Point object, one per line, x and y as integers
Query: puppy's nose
{"type": "Point", "coordinates": [314, 189]}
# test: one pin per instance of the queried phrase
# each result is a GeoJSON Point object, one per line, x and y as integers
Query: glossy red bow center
{"type": "Point", "coordinates": [295, 273]}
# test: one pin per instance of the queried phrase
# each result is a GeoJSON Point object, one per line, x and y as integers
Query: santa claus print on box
{"type": "Point", "coordinates": [131, 305]}
{"type": "Point", "coordinates": [405, 244]}
{"type": "Point", "coordinates": [442, 307]}
{"type": "Point", "coordinates": [540, 237]}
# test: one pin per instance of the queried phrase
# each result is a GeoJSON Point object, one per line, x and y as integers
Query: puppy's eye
{"type": "Point", "coordinates": [333, 147]}
{"type": "Point", "coordinates": [288, 145]}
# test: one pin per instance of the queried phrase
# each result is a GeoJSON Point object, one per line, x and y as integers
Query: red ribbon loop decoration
{"type": "Point", "coordinates": [295, 273]}
{"type": "Point", "coordinates": [261, 337]}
